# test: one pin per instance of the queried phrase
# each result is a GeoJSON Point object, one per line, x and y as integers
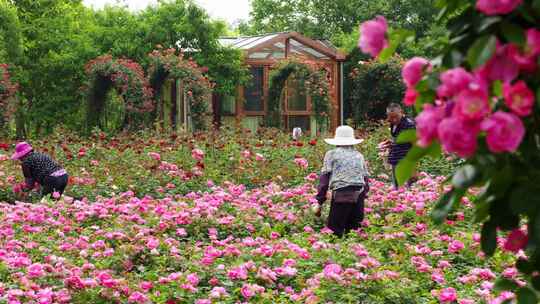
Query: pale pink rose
{"type": "Point", "coordinates": [447, 295]}
{"type": "Point", "coordinates": [466, 301]}
{"type": "Point", "coordinates": [137, 297]}
{"type": "Point", "coordinates": [455, 246]}
{"type": "Point", "coordinates": [301, 162]}
{"type": "Point", "coordinates": [35, 271]}
{"type": "Point", "coordinates": [458, 137]}
{"type": "Point", "coordinates": [193, 279]}
{"type": "Point", "coordinates": [154, 155]}
{"type": "Point", "coordinates": [519, 98]}
{"type": "Point", "coordinates": [453, 82]}
{"type": "Point", "coordinates": [259, 157]}
{"type": "Point", "coordinates": [56, 195]}
{"type": "Point", "coordinates": [410, 97]}
{"type": "Point", "coordinates": [510, 273]}
{"type": "Point", "coordinates": [497, 7]}
{"type": "Point", "coordinates": [505, 131]}
{"type": "Point", "coordinates": [203, 301]}
{"type": "Point", "coordinates": [373, 36]}
{"type": "Point", "coordinates": [413, 70]}
{"type": "Point", "coordinates": [246, 154]}
{"type": "Point", "coordinates": [501, 66]}
{"type": "Point", "coordinates": [197, 154]}
{"type": "Point", "coordinates": [472, 105]}
{"type": "Point", "coordinates": [152, 243]}
{"type": "Point", "coordinates": [427, 123]}
{"type": "Point", "coordinates": [516, 241]}
{"type": "Point", "coordinates": [332, 271]}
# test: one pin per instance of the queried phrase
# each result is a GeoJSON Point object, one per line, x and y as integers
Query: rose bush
{"type": "Point", "coordinates": [226, 219]}
{"type": "Point", "coordinates": [480, 101]}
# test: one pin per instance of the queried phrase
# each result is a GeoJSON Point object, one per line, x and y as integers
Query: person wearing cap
{"type": "Point", "coordinates": [41, 168]}
{"type": "Point", "coordinates": [344, 172]}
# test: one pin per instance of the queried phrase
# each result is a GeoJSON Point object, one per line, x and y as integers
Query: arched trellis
{"type": "Point", "coordinates": [126, 77]}
{"type": "Point", "coordinates": [165, 64]}
{"type": "Point", "coordinates": [312, 76]}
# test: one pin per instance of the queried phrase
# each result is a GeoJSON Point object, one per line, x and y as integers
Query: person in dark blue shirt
{"type": "Point", "coordinates": [399, 122]}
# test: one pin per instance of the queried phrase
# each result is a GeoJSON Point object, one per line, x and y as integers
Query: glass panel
{"type": "Point", "coordinates": [228, 105]}
{"type": "Point", "coordinates": [303, 122]}
{"type": "Point", "coordinates": [296, 95]}
{"type": "Point", "coordinates": [253, 92]}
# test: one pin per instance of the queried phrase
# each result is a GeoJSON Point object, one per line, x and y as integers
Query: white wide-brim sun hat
{"type": "Point", "coordinates": [344, 137]}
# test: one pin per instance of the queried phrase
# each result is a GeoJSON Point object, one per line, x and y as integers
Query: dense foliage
{"type": "Point", "coordinates": [51, 41]}
{"type": "Point", "coordinates": [479, 100]}
{"type": "Point", "coordinates": [373, 86]}
{"type": "Point", "coordinates": [226, 217]}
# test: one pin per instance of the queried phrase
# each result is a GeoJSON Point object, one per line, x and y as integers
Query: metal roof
{"type": "Point", "coordinates": [272, 46]}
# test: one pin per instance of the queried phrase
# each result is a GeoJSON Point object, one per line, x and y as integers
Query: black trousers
{"type": "Point", "coordinates": [345, 217]}
{"type": "Point", "coordinates": [54, 184]}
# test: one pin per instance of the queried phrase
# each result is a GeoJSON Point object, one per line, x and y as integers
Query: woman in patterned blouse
{"type": "Point", "coordinates": [344, 172]}
{"type": "Point", "coordinates": [40, 168]}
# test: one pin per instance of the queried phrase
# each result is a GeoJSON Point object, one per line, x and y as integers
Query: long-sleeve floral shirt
{"type": "Point", "coordinates": [36, 166]}
{"type": "Point", "coordinates": [342, 167]}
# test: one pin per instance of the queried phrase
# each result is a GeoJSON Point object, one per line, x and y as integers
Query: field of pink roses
{"type": "Point", "coordinates": [227, 218]}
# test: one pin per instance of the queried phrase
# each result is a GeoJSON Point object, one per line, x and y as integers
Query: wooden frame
{"type": "Point", "coordinates": [332, 59]}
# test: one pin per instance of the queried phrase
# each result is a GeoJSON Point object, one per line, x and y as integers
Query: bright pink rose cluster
{"type": "Point", "coordinates": [464, 108]}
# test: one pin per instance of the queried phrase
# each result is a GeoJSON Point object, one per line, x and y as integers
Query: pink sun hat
{"type": "Point", "coordinates": [21, 149]}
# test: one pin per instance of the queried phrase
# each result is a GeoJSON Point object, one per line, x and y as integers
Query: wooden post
{"type": "Point", "coordinates": [287, 47]}
{"type": "Point", "coordinates": [173, 105]}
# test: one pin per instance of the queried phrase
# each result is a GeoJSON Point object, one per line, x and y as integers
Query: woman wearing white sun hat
{"type": "Point", "coordinates": [344, 172]}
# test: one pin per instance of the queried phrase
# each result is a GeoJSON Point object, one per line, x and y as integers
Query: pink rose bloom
{"type": "Point", "coordinates": [455, 246]}
{"type": "Point", "coordinates": [410, 97]}
{"type": "Point", "coordinates": [497, 7]}
{"type": "Point", "coordinates": [510, 273]}
{"type": "Point", "coordinates": [197, 154]}
{"type": "Point", "coordinates": [137, 297]}
{"type": "Point", "coordinates": [413, 70]}
{"type": "Point", "coordinates": [203, 301]}
{"type": "Point", "coordinates": [448, 295]}
{"type": "Point", "coordinates": [373, 36]}
{"type": "Point", "coordinates": [466, 301]}
{"type": "Point", "coordinates": [246, 154]}
{"type": "Point", "coordinates": [519, 98]}
{"type": "Point", "coordinates": [453, 82]}
{"type": "Point", "coordinates": [516, 241]}
{"type": "Point", "coordinates": [501, 66]}
{"type": "Point", "coordinates": [146, 285]}
{"type": "Point", "coordinates": [427, 123]}
{"type": "Point", "coordinates": [332, 271]}
{"type": "Point", "coordinates": [154, 155]}
{"type": "Point", "coordinates": [193, 279]}
{"type": "Point", "coordinates": [526, 62]}
{"type": "Point", "coordinates": [259, 157]}
{"type": "Point", "coordinates": [250, 290]}
{"type": "Point", "coordinates": [301, 162]}
{"type": "Point", "coordinates": [505, 132]}
{"type": "Point", "coordinates": [35, 270]}
{"type": "Point", "coordinates": [458, 137]}
{"type": "Point", "coordinates": [472, 105]}
{"type": "Point", "coordinates": [152, 243]}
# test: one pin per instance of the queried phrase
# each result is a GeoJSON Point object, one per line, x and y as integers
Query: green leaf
{"type": "Point", "coordinates": [513, 33]}
{"type": "Point", "coordinates": [481, 50]}
{"type": "Point", "coordinates": [434, 150]}
{"type": "Point", "coordinates": [526, 296]}
{"type": "Point", "coordinates": [489, 238]}
{"type": "Point", "coordinates": [524, 266]}
{"type": "Point", "coordinates": [487, 22]}
{"type": "Point", "coordinates": [397, 37]}
{"type": "Point", "coordinates": [522, 201]}
{"type": "Point", "coordinates": [404, 170]}
{"type": "Point", "coordinates": [536, 6]}
{"type": "Point", "coordinates": [505, 284]}
{"type": "Point", "coordinates": [407, 136]}
{"type": "Point", "coordinates": [446, 204]}
{"type": "Point", "coordinates": [498, 88]}
{"type": "Point", "coordinates": [465, 176]}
